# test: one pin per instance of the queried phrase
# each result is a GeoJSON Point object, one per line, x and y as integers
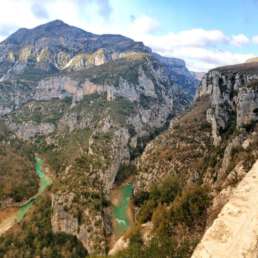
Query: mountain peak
{"type": "Point", "coordinates": [57, 22]}
{"type": "Point", "coordinates": [54, 25]}
{"type": "Point", "coordinates": [53, 29]}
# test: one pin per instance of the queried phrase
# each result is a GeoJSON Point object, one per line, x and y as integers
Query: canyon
{"type": "Point", "coordinates": [145, 160]}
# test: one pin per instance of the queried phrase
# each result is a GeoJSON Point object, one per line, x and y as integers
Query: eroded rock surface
{"type": "Point", "coordinates": [234, 233]}
{"type": "Point", "coordinates": [233, 92]}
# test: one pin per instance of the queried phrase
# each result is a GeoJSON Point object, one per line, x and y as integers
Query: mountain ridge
{"type": "Point", "coordinates": [87, 106]}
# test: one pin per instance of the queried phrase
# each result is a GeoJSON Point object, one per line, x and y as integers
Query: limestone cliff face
{"type": "Point", "coordinates": [227, 101]}
{"type": "Point", "coordinates": [213, 144]}
{"type": "Point", "coordinates": [92, 230]}
{"type": "Point", "coordinates": [233, 93]}
{"type": "Point", "coordinates": [88, 104]}
{"type": "Point", "coordinates": [54, 46]}
{"type": "Point", "coordinates": [152, 104]}
{"type": "Point", "coordinates": [156, 96]}
{"type": "Point", "coordinates": [233, 233]}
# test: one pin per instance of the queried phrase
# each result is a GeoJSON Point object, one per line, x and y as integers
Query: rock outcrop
{"type": "Point", "coordinates": [214, 144]}
{"type": "Point", "coordinates": [233, 93]}
{"type": "Point", "coordinates": [89, 104]}
{"type": "Point", "coordinates": [55, 46]}
{"type": "Point", "coordinates": [234, 232]}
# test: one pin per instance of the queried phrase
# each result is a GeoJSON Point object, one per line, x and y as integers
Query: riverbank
{"type": "Point", "coordinates": [10, 216]}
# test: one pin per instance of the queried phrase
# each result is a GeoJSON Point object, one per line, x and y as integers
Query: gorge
{"type": "Point", "coordinates": [135, 157]}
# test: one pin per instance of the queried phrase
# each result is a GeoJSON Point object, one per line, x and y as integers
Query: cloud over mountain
{"type": "Point", "coordinates": [200, 47]}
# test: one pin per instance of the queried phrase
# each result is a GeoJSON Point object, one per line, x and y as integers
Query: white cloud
{"type": "Point", "coordinates": [194, 38]}
{"type": "Point", "coordinates": [9, 17]}
{"type": "Point", "coordinates": [198, 37]}
{"type": "Point", "coordinates": [39, 10]}
{"type": "Point", "coordinates": [200, 55]}
{"type": "Point", "coordinates": [143, 25]}
{"type": "Point", "coordinates": [240, 40]}
{"type": "Point", "coordinates": [198, 47]}
{"type": "Point", "coordinates": [255, 39]}
{"type": "Point", "coordinates": [82, 13]}
{"type": "Point", "coordinates": [203, 59]}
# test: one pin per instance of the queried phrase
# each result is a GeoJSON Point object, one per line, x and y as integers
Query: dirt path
{"type": "Point", "coordinates": [234, 234]}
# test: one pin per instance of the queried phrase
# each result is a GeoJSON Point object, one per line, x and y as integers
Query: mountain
{"type": "Point", "coordinates": [127, 164]}
{"type": "Point", "coordinates": [86, 105]}
{"type": "Point", "coordinates": [203, 161]}
{"type": "Point", "coordinates": [55, 46]}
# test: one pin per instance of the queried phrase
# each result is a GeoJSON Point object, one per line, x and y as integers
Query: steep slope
{"type": "Point", "coordinates": [210, 149]}
{"type": "Point", "coordinates": [18, 182]}
{"type": "Point", "coordinates": [29, 56]}
{"type": "Point", "coordinates": [234, 232]}
{"type": "Point", "coordinates": [87, 104]}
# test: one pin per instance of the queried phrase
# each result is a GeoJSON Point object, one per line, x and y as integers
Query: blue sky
{"type": "Point", "coordinates": [205, 34]}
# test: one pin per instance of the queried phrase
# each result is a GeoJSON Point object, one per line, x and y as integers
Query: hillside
{"type": "Point", "coordinates": [136, 168]}
{"type": "Point", "coordinates": [87, 105]}
{"type": "Point", "coordinates": [188, 173]}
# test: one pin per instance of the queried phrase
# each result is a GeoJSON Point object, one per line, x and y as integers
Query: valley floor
{"type": "Point", "coordinates": [234, 233]}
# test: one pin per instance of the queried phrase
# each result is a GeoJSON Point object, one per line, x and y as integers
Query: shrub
{"type": "Point", "coordinates": [190, 206]}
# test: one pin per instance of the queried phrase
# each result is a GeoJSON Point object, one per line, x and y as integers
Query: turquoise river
{"type": "Point", "coordinates": [121, 209]}
{"type": "Point", "coordinates": [45, 181]}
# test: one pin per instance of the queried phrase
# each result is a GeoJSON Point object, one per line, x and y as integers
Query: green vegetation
{"type": "Point", "coordinates": [17, 177]}
{"type": "Point", "coordinates": [45, 181]}
{"type": "Point", "coordinates": [170, 198]}
{"type": "Point", "coordinates": [163, 193]}
{"type": "Point", "coordinates": [110, 73]}
{"type": "Point", "coordinates": [66, 148]}
{"type": "Point", "coordinates": [42, 111]}
{"type": "Point", "coordinates": [34, 237]}
{"type": "Point", "coordinates": [32, 74]}
{"type": "Point", "coordinates": [158, 247]}
{"type": "Point", "coordinates": [97, 106]}
{"type": "Point", "coordinates": [178, 215]}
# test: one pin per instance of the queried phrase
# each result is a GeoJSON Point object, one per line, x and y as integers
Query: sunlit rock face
{"type": "Point", "coordinates": [234, 232]}
{"type": "Point", "coordinates": [89, 104]}
{"type": "Point", "coordinates": [233, 91]}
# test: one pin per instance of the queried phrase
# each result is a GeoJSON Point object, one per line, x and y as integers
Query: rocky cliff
{"type": "Point", "coordinates": [90, 105]}
{"type": "Point", "coordinates": [55, 46]}
{"type": "Point", "coordinates": [234, 231]}
{"type": "Point", "coordinates": [233, 97]}
{"type": "Point", "coordinates": [87, 104]}
{"type": "Point", "coordinates": [223, 117]}
{"type": "Point", "coordinates": [212, 145]}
